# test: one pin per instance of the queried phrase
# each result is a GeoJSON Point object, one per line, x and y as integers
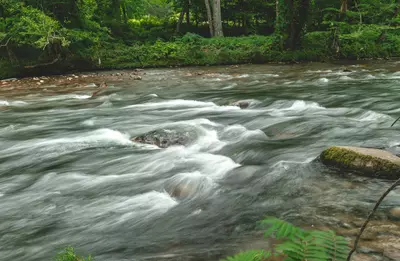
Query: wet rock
{"type": "Point", "coordinates": [347, 70]}
{"type": "Point", "coordinates": [103, 86]}
{"type": "Point", "coordinates": [395, 213]}
{"type": "Point", "coordinates": [181, 191]}
{"type": "Point", "coordinates": [165, 138]}
{"type": "Point", "coordinates": [241, 104]}
{"type": "Point", "coordinates": [364, 161]}
{"type": "Point", "coordinates": [135, 77]}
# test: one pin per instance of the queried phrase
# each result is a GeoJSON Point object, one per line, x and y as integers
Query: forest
{"type": "Point", "coordinates": [54, 36]}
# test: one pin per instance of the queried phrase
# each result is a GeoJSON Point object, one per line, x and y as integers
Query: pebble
{"type": "Point", "coordinates": [41, 81]}
{"type": "Point", "coordinates": [395, 212]}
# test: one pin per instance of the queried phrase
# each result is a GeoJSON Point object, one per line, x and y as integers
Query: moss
{"type": "Point", "coordinates": [363, 164]}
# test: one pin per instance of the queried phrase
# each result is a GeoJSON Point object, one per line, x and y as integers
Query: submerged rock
{"type": "Point", "coordinates": [365, 161]}
{"type": "Point", "coordinates": [241, 104]}
{"type": "Point", "coordinates": [165, 138]}
{"type": "Point", "coordinates": [103, 86]}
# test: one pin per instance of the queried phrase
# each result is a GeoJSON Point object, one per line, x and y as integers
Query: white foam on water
{"type": "Point", "coordinates": [4, 103]}
{"type": "Point", "coordinates": [270, 75]}
{"type": "Point", "coordinates": [242, 76]}
{"type": "Point", "coordinates": [237, 133]}
{"type": "Point", "coordinates": [280, 108]}
{"type": "Point", "coordinates": [90, 139]}
{"type": "Point", "coordinates": [81, 97]}
{"type": "Point", "coordinates": [229, 86]}
{"type": "Point", "coordinates": [152, 95]}
{"type": "Point", "coordinates": [322, 81]}
{"type": "Point", "coordinates": [68, 97]}
{"type": "Point", "coordinates": [373, 116]}
{"type": "Point", "coordinates": [300, 105]}
{"type": "Point", "coordinates": [213, 165]}
{"type": "Point", "coordinates": [369, 77]}
{"type": "Point", "coordinates": [89, 122]}
{"type": "Point", "coordinates": [319, 71]}
{"type": "Point", "coordinates": [134, 209]}
{"type": "Point", "coordinates": [345, 78]}
{"type": "Point", "coordinates": [173, 104]}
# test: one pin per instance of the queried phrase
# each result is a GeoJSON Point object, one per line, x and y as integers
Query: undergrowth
{"type": "Point", "coordinates": [69, 254]}
{"type": "Point", "coordinates": [298, 244]}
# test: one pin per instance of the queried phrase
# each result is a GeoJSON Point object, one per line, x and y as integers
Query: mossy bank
{"type": "Point", "coordinates": [194, 50]}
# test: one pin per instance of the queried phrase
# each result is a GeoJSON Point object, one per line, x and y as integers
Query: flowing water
{"type": "Point", "coordinates": [69, 174]}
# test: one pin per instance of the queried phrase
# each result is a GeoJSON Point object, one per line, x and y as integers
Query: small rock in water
{"type": "Point", "coordinates": [181, 191]}
{"type": "Point", "coordinates": [165, 138]}
{"type": "Point", "coordinates": [136, 77]}
{"type": "Point", "coordinates": [347, 70]}
{"type": "Point", "coordinates": [41, 81]}
{"type": "Point", "coordinates": [241, 104]}
{"type": "Point", "coordinates": [395, 213]}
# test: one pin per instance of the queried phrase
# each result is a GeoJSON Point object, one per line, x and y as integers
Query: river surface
{"type": "Point", "coordinates": [70, 176]}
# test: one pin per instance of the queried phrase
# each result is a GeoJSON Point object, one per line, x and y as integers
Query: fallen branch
{"type": "Point", "coordinates": [370, 216]}
{"type": "Point", "coordinates": [43, 64]}
{"type": "Point", "coordinates": [395, 122]}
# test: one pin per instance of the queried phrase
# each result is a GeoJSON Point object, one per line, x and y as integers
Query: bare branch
{"type": "Point", "coordinates": [394, 185]}
{"type": "Point", "coordinates": [395, 122]}
{"type": "Point", "coordinates": [43, 64]}
{"type": "Point", "coordinates": [6, 44]}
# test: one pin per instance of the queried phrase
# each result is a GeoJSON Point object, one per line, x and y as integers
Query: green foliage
{"type": "Point", "coordinates": [298, 244]}
{"type": "Point", "coordinates": [302, 245]}
{"type": "Point", "coordinates": [69, 254]}
{"type": "Point", "coordinates": [251, 255]}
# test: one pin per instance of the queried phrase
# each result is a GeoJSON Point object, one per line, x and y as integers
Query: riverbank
{"type": "Point", "coordinates": [194, 50]}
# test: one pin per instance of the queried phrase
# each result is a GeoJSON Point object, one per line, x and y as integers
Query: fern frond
{"type": "Point", "coordinates": [251, 255]}
{"type": "Point", "coordinates": [281, 228]}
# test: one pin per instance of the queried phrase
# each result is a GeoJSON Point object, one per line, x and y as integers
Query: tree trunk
{"type": "Point", "coordinates": [209, 17]}
{"type": "Point", "coordinates": [124, 13]}
{"type": "Point", "coordinates": [291, 21]}
{"type": "Point", "coordinates": [344, 6]}
{"type": "Point", "coordinates": [217, 18]}
{"type": "Point", "coordinates": [188, 13]}
{"type": "Point", "coordinates": [277, 10]}
{"type": "Point", "coordinates": [178, 26]}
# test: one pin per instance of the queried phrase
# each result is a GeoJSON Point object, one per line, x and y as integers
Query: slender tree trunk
{"type": "Point", "coordinates": [178, 25]}
{"type": "Point", "coordinates": [124, 13]}
{"type": "Point", "coordinates": [209, 17]}
{"type": "Point", "coordinates": [217, 18]}
{"type": "Point", "coordinates": [344, 6]}
{"type": "Point", "coordinates": [187, 16]}
{"type": "Point", "coordinates": [188, 13]}
{"type": "Point", "coordinates": [277, 10]}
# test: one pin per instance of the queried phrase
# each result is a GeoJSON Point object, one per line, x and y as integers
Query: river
{"type": "Point", "coordinates": [70, 176]}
